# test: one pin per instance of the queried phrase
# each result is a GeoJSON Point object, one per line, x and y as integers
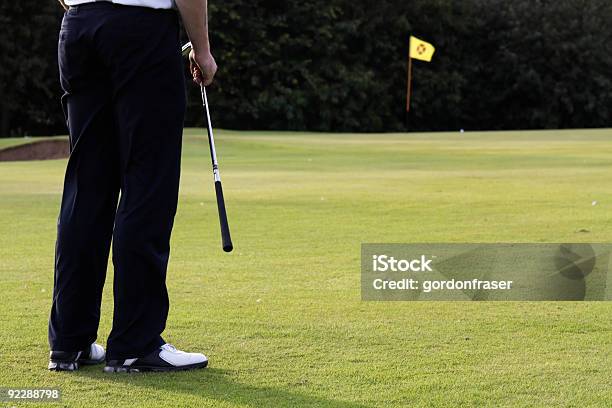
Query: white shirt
{"type": "Point", "coordinates": [156, 4]}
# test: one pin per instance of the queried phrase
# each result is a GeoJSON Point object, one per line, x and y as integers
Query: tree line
{"type": "Point", "coordinates": [340, 65]}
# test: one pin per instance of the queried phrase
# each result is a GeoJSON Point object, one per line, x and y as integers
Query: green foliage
{"type": "Point", "coordinates": [340, 65]}
{"type": "Point", "coordinates": [29, 89]}
{"type": "Point", "coordinates": [549, 65]}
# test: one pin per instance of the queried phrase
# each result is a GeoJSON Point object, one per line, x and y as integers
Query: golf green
{"type": "Point", "coordinates": [281, 317]}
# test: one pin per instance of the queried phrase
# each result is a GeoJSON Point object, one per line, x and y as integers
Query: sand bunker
{"type": "Point", "coordinates": [43, 150]}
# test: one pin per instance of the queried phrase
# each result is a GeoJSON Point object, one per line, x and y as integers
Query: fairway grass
{"type": "Point", "coordinates": [281, 317]}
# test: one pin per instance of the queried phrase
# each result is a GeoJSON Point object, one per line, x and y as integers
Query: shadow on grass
{"type": "Point", "coordinates": [217, 384]}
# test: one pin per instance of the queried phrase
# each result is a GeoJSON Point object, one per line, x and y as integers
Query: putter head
{"type": "Point", "coordinates": [186, 49]}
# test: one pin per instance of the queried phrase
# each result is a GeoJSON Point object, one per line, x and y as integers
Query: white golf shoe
{"type": "Point", "coordinates": [165, 358]}
{"type": "Point", "coordinates": [71, 361]}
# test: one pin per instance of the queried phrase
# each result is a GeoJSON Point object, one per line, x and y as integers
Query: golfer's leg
{"type": "Point", "coordinates": [150, 107]}
{"type": "Point", "coordinates": [89, 198]}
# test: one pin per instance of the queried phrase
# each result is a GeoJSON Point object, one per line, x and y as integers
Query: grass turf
{"type": "Point", "coordinates": [281, 317]}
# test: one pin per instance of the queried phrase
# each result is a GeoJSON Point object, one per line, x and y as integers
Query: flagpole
{"type": "Point", "coordinates": [409, 90]}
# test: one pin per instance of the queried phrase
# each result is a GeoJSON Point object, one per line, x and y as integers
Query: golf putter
{"type": "Point", "coordinates": [225, 232]}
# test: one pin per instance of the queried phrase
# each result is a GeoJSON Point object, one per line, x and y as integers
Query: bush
{"type": "Point", "coordinates": [341, 65]}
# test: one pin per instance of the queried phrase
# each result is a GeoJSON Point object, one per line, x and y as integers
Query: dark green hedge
{"type": "Point", "coordinates": [340, 65]}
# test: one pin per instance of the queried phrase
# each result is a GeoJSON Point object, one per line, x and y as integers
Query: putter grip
{"type": "Point", "coordinates": [225, 232]}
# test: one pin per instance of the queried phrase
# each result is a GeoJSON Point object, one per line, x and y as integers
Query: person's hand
{"type": "Point", "coordinates": [202, 66]}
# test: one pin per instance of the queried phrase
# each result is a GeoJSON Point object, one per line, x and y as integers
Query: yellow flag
{"type": "Point", "coordinates": [421, 50]}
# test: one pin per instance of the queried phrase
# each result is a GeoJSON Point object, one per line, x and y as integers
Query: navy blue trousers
{"type": "Point", "coordinates": [124, 98]}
